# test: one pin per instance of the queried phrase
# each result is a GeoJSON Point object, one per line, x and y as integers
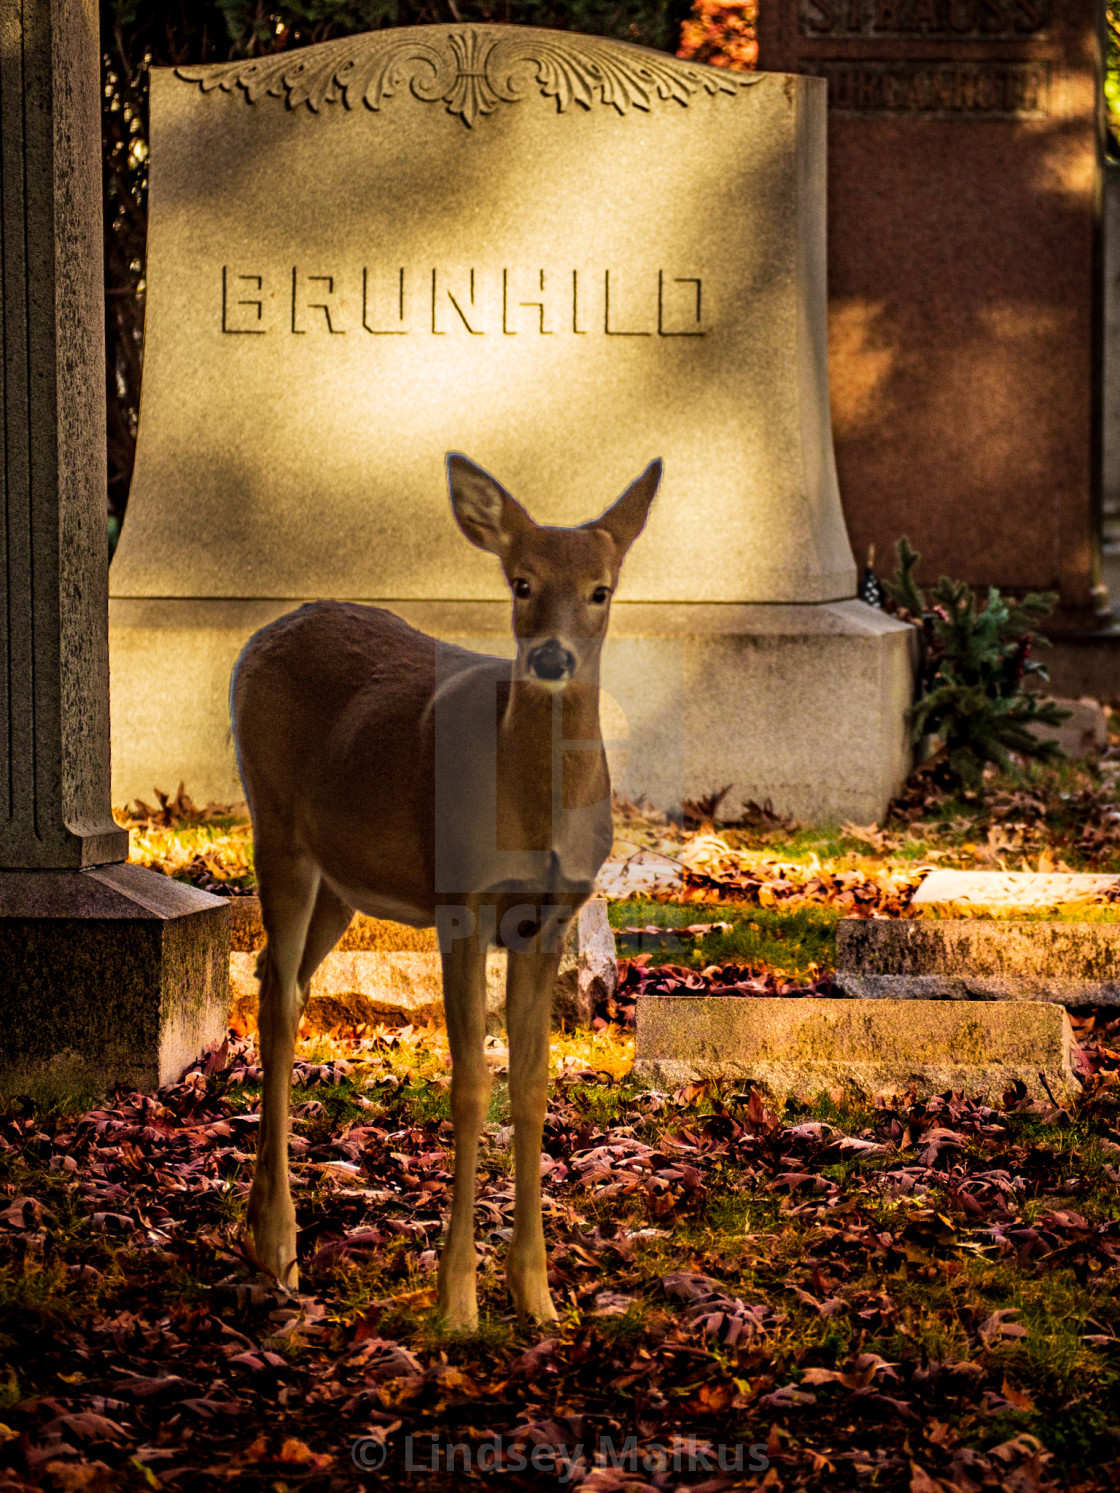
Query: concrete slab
{"type": "Point", "coordinates": [382, 971]}
{"type": "Point", "coordinates": [977, 959]}
{"type": "Point", "coordinates": [787, 1046]}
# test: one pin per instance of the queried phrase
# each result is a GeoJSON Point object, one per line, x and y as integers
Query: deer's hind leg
{"type": "Point", "coordinates": [329, 921]}
{"type": "Point", "coordinates": [289, 884]}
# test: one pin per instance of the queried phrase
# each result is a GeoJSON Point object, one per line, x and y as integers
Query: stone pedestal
{"type": "Point", "coordinates": [802, 705]}
{"type": "Point", "coordinates": [115, 974]}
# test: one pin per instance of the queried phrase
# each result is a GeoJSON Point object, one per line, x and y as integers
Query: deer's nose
{"type": "Point", "coordinates": [551, 660]}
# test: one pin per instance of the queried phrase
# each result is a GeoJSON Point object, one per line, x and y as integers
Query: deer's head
{"type": "Point", "coordinates": [562, 580]}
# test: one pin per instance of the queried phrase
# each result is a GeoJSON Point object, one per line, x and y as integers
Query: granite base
{"type": "Point", "coordinates": [804, 706]}
{"type": "Point", "coordinates": [111, 976]}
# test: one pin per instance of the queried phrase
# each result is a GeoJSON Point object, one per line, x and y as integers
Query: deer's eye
{"type": "Point", "coordinates": [521, 587]}
{"type": "Point", "coordinates": [600, 594]}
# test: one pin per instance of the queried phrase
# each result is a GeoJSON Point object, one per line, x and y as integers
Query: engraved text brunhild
{"type": "Point", "coordinates": [506, 302]}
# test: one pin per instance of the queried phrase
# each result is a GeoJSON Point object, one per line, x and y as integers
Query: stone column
{"type": "Point", "coordinates": [110, 973]}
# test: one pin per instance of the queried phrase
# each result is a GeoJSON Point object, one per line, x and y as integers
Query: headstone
{"type": "Point", "coordinates": [1083, 735]}
{"type": "Point", "coordinates": [111, 973]}
{"type": "Point", "coordinates": [562, 255]}
{"type": "Point", "coordinates": [963, 178]}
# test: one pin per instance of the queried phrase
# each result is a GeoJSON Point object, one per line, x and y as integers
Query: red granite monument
{"type": "Point", "coordinates": [964, 182]}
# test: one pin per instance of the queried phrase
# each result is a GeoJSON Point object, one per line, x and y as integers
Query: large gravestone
{"type": "Point", "coordinates": [110, 973]}
{"type": "Point", "coordinates": [964, 213]}
{"type": "Point", "coordinates": [563, 256]}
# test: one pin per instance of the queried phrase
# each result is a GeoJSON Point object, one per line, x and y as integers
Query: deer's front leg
{"type": "Point", "coordinates": [529, 986]}
{"type": "Point", "coordinates": [464, 1001]}
{"type": "Point", "coordinates": [287, 898]}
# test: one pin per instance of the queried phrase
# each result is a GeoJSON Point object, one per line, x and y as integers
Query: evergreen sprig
{"type": "Point", "coordinates": [975, 665]}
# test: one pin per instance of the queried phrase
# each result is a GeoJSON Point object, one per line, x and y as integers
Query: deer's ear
{"type": "Point", "coordinates": [485, 512]}
{"type": "Point", "coordinates": [626, 518]}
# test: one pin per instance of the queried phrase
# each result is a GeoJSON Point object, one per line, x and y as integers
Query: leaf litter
{"type": "Point", "coordinates": [901, 1294]}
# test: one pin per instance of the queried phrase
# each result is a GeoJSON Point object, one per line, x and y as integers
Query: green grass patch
{"type": "Point", "coordinates": [796, 942]}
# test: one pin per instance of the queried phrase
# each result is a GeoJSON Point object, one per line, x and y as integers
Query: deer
{"type": "Point", "coordinates": [405, 777]}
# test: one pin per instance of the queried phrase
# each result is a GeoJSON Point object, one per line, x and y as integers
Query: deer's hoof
{"type": "Point", "coordinates": [458, 1317]}
{"type": "Point", "coordinates": [532, 1299]}
{"type": "Point", "coordinates": [457, 1305]}
{"type": "Point", "coordinates": [274, 1247]}
{"type": "Point", "coordinates": [278, 1258]}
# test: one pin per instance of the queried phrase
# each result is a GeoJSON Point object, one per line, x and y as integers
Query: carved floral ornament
{"type": "Point", "coordinates": [472, 71]}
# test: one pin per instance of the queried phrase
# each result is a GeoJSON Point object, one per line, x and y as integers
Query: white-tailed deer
{"type": "Point", "coordinates": [392, 773]}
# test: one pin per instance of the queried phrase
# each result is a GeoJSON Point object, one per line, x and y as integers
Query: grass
{"type": "Point", "coordinates": [797, 943]}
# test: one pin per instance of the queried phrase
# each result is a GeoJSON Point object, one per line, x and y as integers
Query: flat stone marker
{"type": "Point", "coordinates": [563, 255]}
{"type": "Point", "coordinates": [382, 971]}
{"type": "Point", "coordinates": [803, 1046]}
{"type": "Point", "coordinates": [987, 955]}
{"type": "Point", "coordinates": [978, 959]}
{"type": "Point", "coordinates": [1007, 892]}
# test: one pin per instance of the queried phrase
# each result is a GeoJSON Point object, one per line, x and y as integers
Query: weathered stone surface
{"type": "Point", "coordinates": [1007, 892]}
{"type": "Point", "coordinates": [787, 1046]}
{"type": "Point", "coordinates": [1084, 732]}
{"type": "Point", "coordinates": [383, 971]}
{"type": "Point", "coordinates": [961, 335]}
{"type": "Point", "coordinates": [576, 265]}
{"type": "Point", "coordinates": [54, 703]}
{"type": "Point", "coordinates": [114, 975]}
{"type": "Point", "coordinates": [588, 966]}
{"type": "Point", "coordinates": [1074, 964]}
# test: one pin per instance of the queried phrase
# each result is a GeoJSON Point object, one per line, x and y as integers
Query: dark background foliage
{"type": "Point", "coordinates": [138, 34]}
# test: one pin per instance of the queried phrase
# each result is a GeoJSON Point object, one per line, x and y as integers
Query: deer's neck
{"type": "Point", "coordinates": [551, 762]}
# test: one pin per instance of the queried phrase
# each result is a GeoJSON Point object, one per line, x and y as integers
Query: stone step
{"type": "Point", "coordinates": [384, 972]}
{"type": "Point", "coordinates": [977, 959]}
{"type": "Point", "coordinates": [787, 1046]}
